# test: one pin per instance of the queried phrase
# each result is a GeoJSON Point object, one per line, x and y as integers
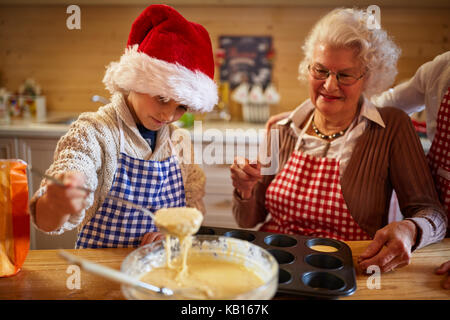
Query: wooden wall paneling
{"type": "Point", "coordinates": [70, 64]}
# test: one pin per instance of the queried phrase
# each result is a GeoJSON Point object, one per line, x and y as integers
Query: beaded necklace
{"type": "Point", "coordinates": [324, 136]}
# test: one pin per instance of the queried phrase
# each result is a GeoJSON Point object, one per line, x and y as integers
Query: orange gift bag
{"type": "Point", "coordinates": [14, 216]}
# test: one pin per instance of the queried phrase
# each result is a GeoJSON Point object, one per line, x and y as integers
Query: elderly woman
{"type": "Point", "coordinates": [341, 157]}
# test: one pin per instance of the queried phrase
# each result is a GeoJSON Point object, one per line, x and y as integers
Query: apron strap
{"type": "Point", "coordinates": [172, 147]}
{"type": "Point", "coordinates": [121, 137]}
{"type": "Point", "coordinates": [300, 135]}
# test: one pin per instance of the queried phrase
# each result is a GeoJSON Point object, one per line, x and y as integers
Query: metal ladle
{"type": "Point", "coordinates": [136, 206]}
{"type": "Point", "coordinates": [167, 229]}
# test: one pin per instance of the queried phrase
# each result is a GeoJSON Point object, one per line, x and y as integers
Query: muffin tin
{"type": "Point", "coordinates": [303, 271]}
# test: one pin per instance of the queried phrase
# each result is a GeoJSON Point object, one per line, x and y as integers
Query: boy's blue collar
{"type": "Point", "coordinates": [148, 135]}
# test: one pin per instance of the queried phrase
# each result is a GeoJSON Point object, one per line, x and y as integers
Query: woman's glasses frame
{"type": "Point", "coordinates": [322, 73]}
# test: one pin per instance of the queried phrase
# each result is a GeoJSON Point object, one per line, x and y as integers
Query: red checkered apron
{"type": "Point", "coordinates": [438, 156]}
{"type": "Point", "coordinates": [306, 198]}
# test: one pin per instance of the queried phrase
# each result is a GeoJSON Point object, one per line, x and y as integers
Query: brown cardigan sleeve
{"type": "Point", "coordinates": [248, 213]}
{"type": "Point", "coordinates": [392, 158]}
{"type": "Point", "coordinates": [418, 199]}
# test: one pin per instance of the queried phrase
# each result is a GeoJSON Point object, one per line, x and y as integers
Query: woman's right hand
{"type": "Point", "coordinates": [244, 176]}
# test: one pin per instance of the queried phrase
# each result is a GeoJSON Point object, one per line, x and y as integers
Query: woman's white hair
{"type": "Point", "coordinates": [350, 28]}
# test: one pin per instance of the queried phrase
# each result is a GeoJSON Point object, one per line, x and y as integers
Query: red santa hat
{"type": "Point", "coordinates": [169, 56]}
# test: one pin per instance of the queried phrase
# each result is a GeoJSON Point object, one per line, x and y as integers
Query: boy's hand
{"type": "Point", "coordinates": [150, 237]}
{"type": "Point", "coordinates": [67, 199]}
{"type": "Point", "coordinates": [56, 206]}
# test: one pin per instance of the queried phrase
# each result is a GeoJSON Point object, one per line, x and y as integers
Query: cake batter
{"type": "Point", "coordinates": [180, 222]}
{"type": "Point", "coordinates": [323, 248]}
{"type": "Point", "coordinates": [206, 275]}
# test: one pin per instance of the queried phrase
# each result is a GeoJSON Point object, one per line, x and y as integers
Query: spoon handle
{"type": "Point", "coordinates": [60, 183]}
{"type": "Point", "coordinates": [57, 181]}
{"type": "Point", "coordinates": [136, 206]}
{"type": "Point", "coordinates": [112, 274]}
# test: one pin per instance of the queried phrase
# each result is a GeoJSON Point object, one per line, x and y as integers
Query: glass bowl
{"type": "Point", "coordinates": [253, 257]}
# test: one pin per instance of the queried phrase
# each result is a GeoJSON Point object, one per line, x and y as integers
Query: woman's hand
{"type": "Point", "coordinates": [150, 237]}
{"type": "Point", "coordinates": [55, 207]}
{"type": "Point", "coordinates": [245, 176]}
{"type": "Point", "coordinates": [391, 247]}
{"type": "Point", "coordinates": [445, 269]}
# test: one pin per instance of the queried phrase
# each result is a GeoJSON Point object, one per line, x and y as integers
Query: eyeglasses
{"type": "Point", "coordinates": [343, 78]}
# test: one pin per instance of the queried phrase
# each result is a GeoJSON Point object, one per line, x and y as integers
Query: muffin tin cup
{"type": "Point", "coordinates": [303, 271]}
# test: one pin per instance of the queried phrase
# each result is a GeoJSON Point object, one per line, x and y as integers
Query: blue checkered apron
{"type": "Point", "coordinates": [147, 183]}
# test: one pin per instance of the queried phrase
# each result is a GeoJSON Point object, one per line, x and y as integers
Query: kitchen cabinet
{"type": "Point", "coordinates": [219, 188]}
{"type": "Point", "coordinates": [8, 148]}
{"type": "Point", "coordinates": [219, 191]}
{"type": "Point", "coordinates": [38, 153]}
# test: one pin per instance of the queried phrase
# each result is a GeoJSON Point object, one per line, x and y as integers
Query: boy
{"type": "Point", "coordinates": [124, 149]}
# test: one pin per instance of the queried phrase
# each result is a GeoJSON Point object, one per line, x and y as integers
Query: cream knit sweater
{"type": "Point", "coordinates": [91, 146]}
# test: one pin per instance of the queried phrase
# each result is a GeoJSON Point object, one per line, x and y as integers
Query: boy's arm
{"type": "Point", "coordinates": [77, 151]}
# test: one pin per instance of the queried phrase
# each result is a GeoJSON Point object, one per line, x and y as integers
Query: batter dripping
{"type": "Point", "coordinates": [210, 276]}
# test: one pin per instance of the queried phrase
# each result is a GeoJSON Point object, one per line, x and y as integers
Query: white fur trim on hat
{"type": "Point", "coordinates": [139, 72]}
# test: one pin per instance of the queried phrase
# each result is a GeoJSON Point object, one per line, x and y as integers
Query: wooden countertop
{"type": "Point", "coordinates": [44, 276]}
{"type": "Point", "coordinates": [415, 281]}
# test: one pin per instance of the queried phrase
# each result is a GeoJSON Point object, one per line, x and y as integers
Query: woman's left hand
{"type": "Point", "coordinates": [445, 269]}
{"type": "Point", "coordinates": [150, 237]}
{"type": "Point", "coordinates": [391, 247]}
